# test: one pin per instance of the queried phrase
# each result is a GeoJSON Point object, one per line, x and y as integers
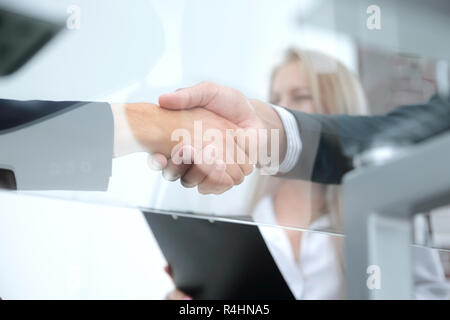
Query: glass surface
{"type": "Point", "coordinates": [78, 248]}
{"type": "Point", "coordinates": [167, 45]}
{"type": "Point", "coordinates": [381, 57]}
{"type": "Point", "coordinates": [430, 230]}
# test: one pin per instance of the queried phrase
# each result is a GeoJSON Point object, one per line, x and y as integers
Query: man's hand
{"type": "Point", "coordinates": [231, 105]}
{"type": "Point", "coordinates": [146, 127]}
{"type": "Point", "coordinates": [226, 102]}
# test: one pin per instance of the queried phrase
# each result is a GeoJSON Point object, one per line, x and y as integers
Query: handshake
{"type": "Point", "coordinates": [207, 135]}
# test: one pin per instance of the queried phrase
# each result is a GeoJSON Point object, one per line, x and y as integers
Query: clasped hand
{"type": "Point", "coordinates": [208, 136]}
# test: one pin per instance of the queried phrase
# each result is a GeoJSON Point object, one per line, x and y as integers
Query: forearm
{"type": "Point", "coordinates": [145, 127]}
{"type": "Point", "coordinates": [330, 142]}
{"type": "Point", "coordinates": [64, 146]}
{"type": "Point", "coordinates": [70, 145]}
{"type": "Point", "coordinates": [322, 159]}
{"type": "Point", "coordinates": [125, 141]}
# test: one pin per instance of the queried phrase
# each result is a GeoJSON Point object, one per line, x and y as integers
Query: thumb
{"type": "Point", "coordinates": [199, 95]}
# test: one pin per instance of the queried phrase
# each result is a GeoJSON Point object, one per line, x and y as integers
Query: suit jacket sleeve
{"type": "Point", "coordinates": [331, 141]}
{"type": "Point", "coordinates": [57, 145]}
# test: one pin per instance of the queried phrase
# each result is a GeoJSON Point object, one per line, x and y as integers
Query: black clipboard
{"type": "Point", "coordinates": [217, 260]}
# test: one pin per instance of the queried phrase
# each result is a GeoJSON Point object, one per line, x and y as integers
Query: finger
{"type": "Point", "coordinates": [179, 163]}
{"type": "Point", "coordinates": [216, 182]}
{"type": "Point", "coordinates": [157, 161]}
{"type": "Point", "coordinates": [218, 179]}
{"type": "Point", "coordinates": [199, 95]}
{"type": "Point", "coordinates": [203, 166]}
{"type": "Point", "coordinates": [235, 172]}
{"type": "Point", "coordinates": [177, 295]}
{"type": "Point", "coordinates": [173, 171]}
{"type": "Point", "coordinates": [238, 165]}
{"type": "Point", "coordinates": [167, 270]}
{"type": "Point", "coordinates": [248, 140]}
{"type": "Point", "coordinates": [243, 161]}
{"type": "Point", "coordinates": [246, 167]}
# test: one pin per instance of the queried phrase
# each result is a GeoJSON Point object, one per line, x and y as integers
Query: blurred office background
{"type": "Point", "coordinates": [135, 51]}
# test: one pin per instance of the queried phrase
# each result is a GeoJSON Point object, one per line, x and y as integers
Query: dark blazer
{"type": "Point", "coordinates": [331, 141]}
{"type": "Point", "coordinates": [56, 145]}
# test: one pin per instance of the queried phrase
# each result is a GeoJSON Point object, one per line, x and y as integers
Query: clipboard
{"type": "Point", "coordinates": [217, 259]}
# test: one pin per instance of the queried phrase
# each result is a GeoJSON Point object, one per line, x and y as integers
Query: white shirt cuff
{"type": "Point", "coordinates": [293, 140]}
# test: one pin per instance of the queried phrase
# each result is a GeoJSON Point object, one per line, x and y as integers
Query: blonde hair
{"type": "Point", "coordinates": [334, 88]}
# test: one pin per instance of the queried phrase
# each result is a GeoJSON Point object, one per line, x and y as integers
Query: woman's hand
{"type": "Point", "coordinates": [175, 294]}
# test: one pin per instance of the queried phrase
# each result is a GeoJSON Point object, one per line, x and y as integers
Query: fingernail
{"type": "Point", "coordinates": [168, 175]}
{"type": "Point", "coordinates": [187, 298]}
{"type": "Point", "coordinates": [155, 165]}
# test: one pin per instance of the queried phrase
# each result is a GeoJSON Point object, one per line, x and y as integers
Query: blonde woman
{"type": "Point", "coordinates": [315, 83]}
{"type": "Point", "coordinates": [311, 262]}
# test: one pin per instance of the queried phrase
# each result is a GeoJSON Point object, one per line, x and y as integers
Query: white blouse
{"type": "Point", "coordinates": [318, 272]}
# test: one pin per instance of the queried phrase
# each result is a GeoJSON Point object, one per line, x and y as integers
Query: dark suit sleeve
{"type": "Point", "coordinates": [57, 145]}
{"type": "Point", "coordinates": [331, 141]}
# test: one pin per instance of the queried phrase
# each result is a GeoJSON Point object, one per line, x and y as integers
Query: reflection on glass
{"type": "Point", "coordinates": [313, 265]}
{"type": "Point", "coordinates": [311, 82]}
{"type": "Point", "coordinates": [336, 67]}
